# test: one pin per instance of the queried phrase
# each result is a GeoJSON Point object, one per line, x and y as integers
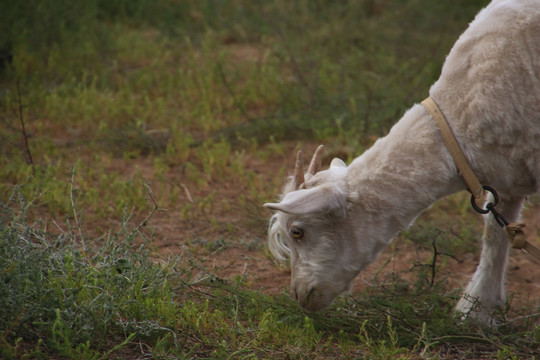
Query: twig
{"type": "Point", "coordinates": [14, 192]}
{"type": "Point", "coordinates": [190, 286]}
{"type": "Point", "coordinates": [6, 333]}
{"type": "Point", "coordinates": [433, 264]}
{"type": "Point", "coordinates": [188, 193]}
{"type": "Point", "coordinates": [376, 276]}
{"type": "Point", "coordinates": [459, 338]}
{"type": "Point", "coordinates": [154, 209]}
{"type": "Point", "coordinates": [434, 261]}
{"type": "Point", "coordinates": [25, 135]}
{"type": "Point", "coordinates": [74, 208]}
{"type": "Point", "coordinates": [524, 317]}
{"type": "Point", "coordinates": [232, 93]}
{"type": "Point", "coordinates": [58, 226]}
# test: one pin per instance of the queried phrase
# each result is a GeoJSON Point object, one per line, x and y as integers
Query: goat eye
{"type": "Point", "coordinates": [297, 233]}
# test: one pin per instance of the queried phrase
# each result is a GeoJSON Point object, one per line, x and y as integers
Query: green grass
{"type": "Point", "coordinates": [200, 85]}
{"type": "Point", "coordinates": [192, 105]}
{"type": "Point", "coordinates": [98, 298]}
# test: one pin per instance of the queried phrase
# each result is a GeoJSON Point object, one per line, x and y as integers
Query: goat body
{"type": "Point", "coordinates": [337, 221]}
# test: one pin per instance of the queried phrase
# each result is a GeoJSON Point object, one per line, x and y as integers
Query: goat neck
{"type": "Point", "coordinates": [401, 175]}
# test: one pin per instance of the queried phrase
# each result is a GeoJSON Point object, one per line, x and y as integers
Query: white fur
{"type": "Point", "coordinates": [489, 91]}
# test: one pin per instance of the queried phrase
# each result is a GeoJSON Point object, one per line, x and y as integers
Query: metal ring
{"type": "Point", "coordinates": [495, 200]}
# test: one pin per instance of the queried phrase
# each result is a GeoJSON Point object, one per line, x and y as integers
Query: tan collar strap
{"type": "Point", "coordinates": [451, 143]}
{"type": "Point", "coordinates": [514, 231]}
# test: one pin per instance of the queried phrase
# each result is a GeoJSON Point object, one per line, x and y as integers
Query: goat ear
{"type": "Point", "coordinates": [337, 163]}
{"type": "Point", "coordinates": [326, 198]}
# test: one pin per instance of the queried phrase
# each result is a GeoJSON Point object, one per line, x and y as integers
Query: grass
{"type": "Point", "coordinates": [197, 106]}
{"type": "Point", "coordinates": [107, 298]}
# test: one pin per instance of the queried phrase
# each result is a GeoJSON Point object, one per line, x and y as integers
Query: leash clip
{"type": "Point", "coordinates": [490, 207]}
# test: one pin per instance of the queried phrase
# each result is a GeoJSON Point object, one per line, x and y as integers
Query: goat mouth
{"type": "Point", "coordinates": [314, 300]}
{"type": "Point", "coordinates": [317, 298]}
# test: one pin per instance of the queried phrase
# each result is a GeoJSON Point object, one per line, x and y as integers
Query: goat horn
{"type": "Point", "coordinates": [316, 161]}
{"type": "Point", "coordinates": [299, 170]}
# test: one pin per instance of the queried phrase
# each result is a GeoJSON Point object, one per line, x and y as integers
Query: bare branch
{"type": "Point", "coordinates": [25, 135]}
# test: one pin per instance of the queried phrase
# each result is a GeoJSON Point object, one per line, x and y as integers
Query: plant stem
{"type": "Point", "coordinates": [25, 136]}
{"type": "Point", "coordinates": [74, 208]}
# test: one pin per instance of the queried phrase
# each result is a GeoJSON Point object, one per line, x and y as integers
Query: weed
{"type": "Point", "coordinates": [56, 292]}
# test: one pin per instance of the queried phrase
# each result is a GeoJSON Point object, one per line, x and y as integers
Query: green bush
{"type": "Point", "coordinates": [74, 299]}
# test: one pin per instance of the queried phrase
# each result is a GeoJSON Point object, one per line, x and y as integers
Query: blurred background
{"type": "Point", "coordinates": [190, 95]}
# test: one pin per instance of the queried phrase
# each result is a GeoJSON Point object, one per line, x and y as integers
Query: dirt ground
{"type": "Point", "coordinates": [250, 259]}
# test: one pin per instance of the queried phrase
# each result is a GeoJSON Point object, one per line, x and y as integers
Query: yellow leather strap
{"type": "Point", "coordinates": [514, 231]}
{"type": "Point", "coordinates": [515, 234]}
{"type": "Point", "coordinates": [451, 143]}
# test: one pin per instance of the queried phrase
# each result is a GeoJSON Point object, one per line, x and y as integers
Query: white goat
{"type": "Point", "coordinates": [333, 223]}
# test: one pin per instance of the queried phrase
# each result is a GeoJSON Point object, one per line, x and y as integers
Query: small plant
{"type": "Point", "coordinates": [75, 298]}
